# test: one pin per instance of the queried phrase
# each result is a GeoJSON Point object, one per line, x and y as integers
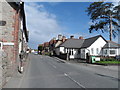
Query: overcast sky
{"type": "Point", "coordinates": [46, 20]}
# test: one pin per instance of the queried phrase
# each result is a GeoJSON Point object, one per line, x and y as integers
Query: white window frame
{"type": "Point", "coordinates": [112, 53]}
{"type": "Point", "coordinates": [92, 51]}
{"type": "Point", "coordinates": [97, 50]}
{"type": "Point", "coordinates": [1, 45]}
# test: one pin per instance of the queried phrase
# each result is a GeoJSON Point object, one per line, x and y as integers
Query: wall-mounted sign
{"type": "Point", "coordinates": [8, 43]}
{"type": "Point", "coordinates": [2, 23]}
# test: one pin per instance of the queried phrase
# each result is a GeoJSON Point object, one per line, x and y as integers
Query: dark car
{"type": "Point", "coordinates": [118, 57]}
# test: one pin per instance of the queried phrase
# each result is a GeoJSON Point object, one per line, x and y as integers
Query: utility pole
{"type": "Point", "coordinates": [119, 24]}
{"type": "Point", "coordinates": [110, 28]}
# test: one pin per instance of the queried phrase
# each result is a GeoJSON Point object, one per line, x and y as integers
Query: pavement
{"type": "Point", "coordinates": [81, 62]}
{"type": "Point", "coordinates": [50, 72]}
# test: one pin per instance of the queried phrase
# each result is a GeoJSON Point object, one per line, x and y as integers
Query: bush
{"type": "Point", "coordinates": [108, 59]}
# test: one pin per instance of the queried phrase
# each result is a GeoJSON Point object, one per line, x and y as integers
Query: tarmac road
{"type": "Point", "coordinates": [50, 72]}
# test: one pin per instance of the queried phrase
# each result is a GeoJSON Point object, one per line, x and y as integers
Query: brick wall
{"type": "Point", "coordinates": [10, 35]}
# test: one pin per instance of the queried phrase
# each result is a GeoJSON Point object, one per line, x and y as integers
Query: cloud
{"type": "Point", "coordinates": [41, 24]}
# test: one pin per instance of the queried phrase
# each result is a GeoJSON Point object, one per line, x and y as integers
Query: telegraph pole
{"type": "Point", "coordinates": [118, 27]}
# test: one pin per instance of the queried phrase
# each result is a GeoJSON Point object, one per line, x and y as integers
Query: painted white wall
{"type": "Point", "coordinates": [119, 51]}
{"type": "Point", "coordinates": [21, 27]}
{"type": "Point", "coordinates": [62, 50]}
{"type": "Point", "coordinates": [99, 43]}
{"type": "Point", "coordinates": [108, 52]}
{"type": "Point", "coordinates": [58, 43]}
{"type": "Point", "coordinates": [20, 47]}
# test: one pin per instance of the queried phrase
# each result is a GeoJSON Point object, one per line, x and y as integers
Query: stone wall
{"type": "Point", "coordinates": [9, 37]}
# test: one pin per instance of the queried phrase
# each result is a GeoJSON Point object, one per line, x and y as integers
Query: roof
{"type": "Point", "coordinates": [73, 43]}
{"type": "Point", "coordinates": [88, 42]}
{"type": "Point", "coordinates": [46, 44]}
{"type": "Point", "coordinates": [80, 43]}
{"type": "Point", "coordinates": [20, 6]}
{"type": "Point", "coordinates": [111, 44]}
{"type": "Point", "coordinates": [52, 41]}
{"type": "Point", "coordinates": [14, 4]}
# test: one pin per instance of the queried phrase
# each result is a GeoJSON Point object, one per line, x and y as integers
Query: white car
{"type": "Point", "coordinates": [35, 53]}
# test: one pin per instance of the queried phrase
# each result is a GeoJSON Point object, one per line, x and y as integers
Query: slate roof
{"type": "Point", "coordinates": [73, 43]}
{"type": "Point", "coordinates": [80, 43]}
{"type": "Point", "coordinates": [17, 6]}
{"type": "Point", "coordinates": [88, 42]}
{"type": "Point", "coordinates": [111, 44]}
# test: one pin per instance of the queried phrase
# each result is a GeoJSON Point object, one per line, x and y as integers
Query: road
{"type": "Point", "coordinates": [48, 72]}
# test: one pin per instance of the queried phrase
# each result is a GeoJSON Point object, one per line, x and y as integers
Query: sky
{"type": "Point", "coordinates": [46, 20]}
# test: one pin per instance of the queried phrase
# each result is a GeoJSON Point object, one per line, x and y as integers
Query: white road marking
{"type": "Point", "coordinates": [54, 66]}
{"type": "Point", "coordinates": [68, 63]}
{"type": "Point", "coordinates": [74, 80]}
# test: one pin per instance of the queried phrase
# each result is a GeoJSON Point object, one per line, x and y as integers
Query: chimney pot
{"type": "Point", "coordinates": [80, 37]}
{"type": "Point", "coordinates": [64, 38]}
{"type": "Point", "coordinates": [59, 37]}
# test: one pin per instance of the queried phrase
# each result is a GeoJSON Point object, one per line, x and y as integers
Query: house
{"type": "Point", "coordinates": [61, 39]}
{"type": "Point", "coordinates": [52, 43]}
{"type": "Point", "coordinates": [46, 46]}
{"type": "Point", "coordinates": [81, 48]}
{"type": "Point", "coordinates": [111, 49]}
{"type": "Point", "coordinates": [93, 46]}
{"type": "Point", "coordinates": [70, 47]}
{"type": "Point", "coordinates": [13, 33]}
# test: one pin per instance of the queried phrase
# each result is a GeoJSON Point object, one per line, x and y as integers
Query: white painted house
{"type": "Point", "coordinates": [70, 47]}
{"type": "Point", "coordinates": [80, 48]}
{"type": "Point", "coordinates": [93, 46]}
{"type": "Point", "coordinates": [111, 49]}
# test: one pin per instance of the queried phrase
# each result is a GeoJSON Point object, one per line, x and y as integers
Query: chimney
{"type": "Point", "coordinates": [64, 38]}
{"type": "Point", "coordinates": [54, 38]}
{"type": "Point", "coordinates": [59, 37]}
{"type": "Point", "coordinates": [80, 37]}
{"type": "Point", "coordinates": [71, 37]}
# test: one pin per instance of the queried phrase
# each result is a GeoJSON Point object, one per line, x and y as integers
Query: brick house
{"type": "Point", "coordinates": [13, 33]}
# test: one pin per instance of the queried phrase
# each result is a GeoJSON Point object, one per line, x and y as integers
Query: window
{"type": "Point", "coordinates": [97, 50]}
{"type": "Point", "coordinates": [79, 51]}
{"type": "Point", "coordinates": [92, 50]}
{"type": "Point", "coordinates": [72, 52]}
{"type": "Point", "coordinates": [112, 51]}
{"type": "Point", "coordinates": [83, 51]}
{"type": "Point", "coordinates": [2, 23]}
{"type": "Point", "coordinates": [67, 50]}
{"type": "Point", "coordinates": [105, 51]}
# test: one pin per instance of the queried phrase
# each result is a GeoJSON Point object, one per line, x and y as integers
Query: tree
{"type": "Point", "coordinates": [40, 48]}
{"type": "Point", "coordinates": [104, 17]}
